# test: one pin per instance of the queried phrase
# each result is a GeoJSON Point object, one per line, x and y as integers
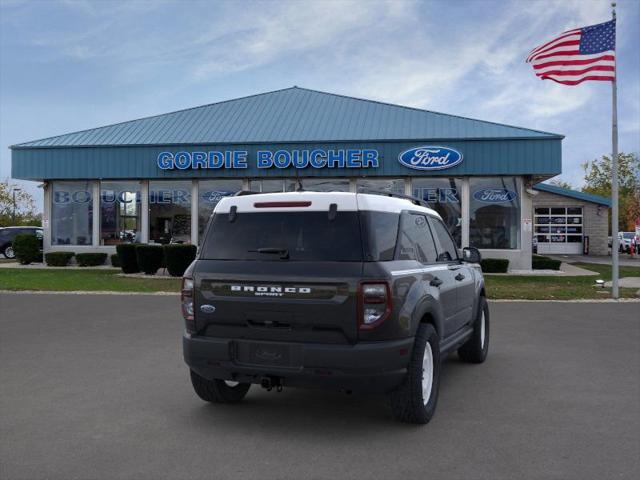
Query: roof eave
{"type": "Point", "coordinates": [586, 197]}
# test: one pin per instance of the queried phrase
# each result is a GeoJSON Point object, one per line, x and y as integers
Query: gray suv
{"type": "Point", "coordinates": [355, 292]}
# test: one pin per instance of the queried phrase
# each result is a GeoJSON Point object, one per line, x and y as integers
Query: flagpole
{"type": "Point", "coordinates": [614, 177]}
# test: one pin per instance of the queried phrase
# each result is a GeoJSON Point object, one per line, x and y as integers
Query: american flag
{"type": "Point", "coordinates": [587, 53]}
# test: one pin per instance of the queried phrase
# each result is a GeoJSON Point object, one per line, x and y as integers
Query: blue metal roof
{"type": "Point", "coordinates": [289, 116]}
{"type": "Point", "coordinates": [565, 192]}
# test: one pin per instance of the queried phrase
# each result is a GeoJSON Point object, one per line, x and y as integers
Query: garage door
{"type": "Point", "coordinates": [558, 229]}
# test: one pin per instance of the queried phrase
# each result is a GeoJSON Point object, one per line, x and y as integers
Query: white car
{"type": "Point", "coordinates": [625, 239]}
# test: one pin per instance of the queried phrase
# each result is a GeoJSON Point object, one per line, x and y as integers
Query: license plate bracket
{"type": "Point", "coordinates": [268, 354]}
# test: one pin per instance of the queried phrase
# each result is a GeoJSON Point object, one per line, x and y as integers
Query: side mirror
{"type": "Point", "coordinates": [471, 255]}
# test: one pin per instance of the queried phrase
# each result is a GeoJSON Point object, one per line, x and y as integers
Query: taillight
{"type": "Point", "coordinates": [374, 304]}
{"type": "Point", "coordinates": [186, 298]}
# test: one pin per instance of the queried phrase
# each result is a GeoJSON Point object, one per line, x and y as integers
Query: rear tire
{"type": "Point", "coordinates": [475, 349]}
{"type": "Point", "coordinates": [415, 400]}
{"type": "Point", "coordinates": [8, 252]}
{"type": "Point", "coordinates": [218, 391]}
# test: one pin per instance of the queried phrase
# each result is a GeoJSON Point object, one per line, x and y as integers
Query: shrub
{"type": "Point", "coordinates": [545, 263]}
{"type": "Point", "coordinates": [90, 259]}
{"type": "Point", "coordinates": [178, 257]}
{"type": "Point", "coordinates": [127, 257]}
{"type": "Point", "coordinates": [115, 260]}
{"type": "Point", "coordinates": [495, 265]}
{"type": "Point", "coordinates": [58, 259]}
{"type": "Point", "coordinates": [27, 248]}
{"type": "Point", "coordinates": [149, 258]}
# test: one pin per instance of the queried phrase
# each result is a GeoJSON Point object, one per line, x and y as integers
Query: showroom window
{"type": "Point", "coordinates": [170, 212]}
{"type": "Point", "coordinates": [494, 213]}
{"type": "Point", "coordinates": [72, 213]}
{"type": "Point", "coordinates": [444, 196]}
{"type": "Point", "coordinates": [119, 212]}
{"type": "Point", "coordinates": [210, 192]}
{"type": "Point", "coordinates": [267, 185]}
{"type": "Point", "coordinates": [319, 184]}
{"type": "Point", "coordinates": [394, 185]}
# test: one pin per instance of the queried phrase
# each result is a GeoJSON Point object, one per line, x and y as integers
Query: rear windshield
{"type": "Point", "coordinates": [284, 236]}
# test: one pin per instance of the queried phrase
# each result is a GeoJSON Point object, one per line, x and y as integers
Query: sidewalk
{"type": "Point", "coordinates": [566, 270]}
{"type": "Point", "coordinates": [624, 259]}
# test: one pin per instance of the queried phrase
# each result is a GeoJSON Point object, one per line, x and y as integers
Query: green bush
{"type": "Point", "coordinates": [495, 265]}
{"type": "Point", "coordinates": [90, 259]}
{"type": "Point", "coordinates": [58, 259]}
{"type": "Point", "coordinates": [545, 263]}
{"type": "Point", "coordinates": [115, 260]}
{"type": "Point", "coordinates": [127, 257]}
{"type": "Point", "coordinates": [178, 257]}
{"type": "Point", "coordinates": [149, 258]}
{"type": "Point", "coordinates": [27, 248]}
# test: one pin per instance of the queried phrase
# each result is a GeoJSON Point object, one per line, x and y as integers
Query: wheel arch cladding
{"type": "Point", "coordinates": [429, 318]}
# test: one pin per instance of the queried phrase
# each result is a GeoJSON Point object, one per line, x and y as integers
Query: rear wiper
{"type": "Point", "coordinates": [283, 252]}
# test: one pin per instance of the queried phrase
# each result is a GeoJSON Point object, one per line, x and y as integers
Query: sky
{"type": "Point", "coordinates": [72, 65]}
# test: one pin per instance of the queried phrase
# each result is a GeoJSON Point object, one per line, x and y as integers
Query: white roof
{"type": "Point", "coordinates": [319, 201]}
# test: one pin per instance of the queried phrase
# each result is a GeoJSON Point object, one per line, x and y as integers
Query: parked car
{"type": "Point", "coordinates": [625, 239]}
{"type": "Point", "coordinates": [345, 291]}
{"type": "Point", "coordinates": [7, 234]}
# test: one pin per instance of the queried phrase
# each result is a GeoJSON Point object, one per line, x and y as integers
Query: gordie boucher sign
{"type": "Point", "coordinates": [417, 158]}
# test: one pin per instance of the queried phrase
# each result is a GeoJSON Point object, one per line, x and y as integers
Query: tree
{"type": "Point", "coordinates": [25, 207]}
{"type": "Point", "coordinates": [558, 182]}
{"type": "Point", "coordinates": [597, 179]}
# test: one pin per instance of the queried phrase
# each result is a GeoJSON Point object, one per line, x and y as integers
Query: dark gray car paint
{"type": "Point", "coordinates": [328, 316]}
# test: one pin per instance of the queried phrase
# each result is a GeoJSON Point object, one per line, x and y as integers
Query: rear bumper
{"type": "Point", "coordinates": [364, 367]}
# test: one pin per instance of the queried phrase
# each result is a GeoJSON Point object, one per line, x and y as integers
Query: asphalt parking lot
{"type": "Point", "coordinates": [94, 387]}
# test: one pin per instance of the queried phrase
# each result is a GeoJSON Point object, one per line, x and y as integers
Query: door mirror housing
{"type": "Point", "coordinates": [471, 255]}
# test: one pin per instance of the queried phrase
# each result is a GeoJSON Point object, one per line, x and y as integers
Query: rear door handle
{"type": "Point", "coordinates": [435, 282]}
{"type": "Point", "coordinates": [459, 277]}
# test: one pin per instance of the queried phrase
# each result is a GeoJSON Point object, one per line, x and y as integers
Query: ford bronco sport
{"type": "Point", "coordinates": [356, 292]}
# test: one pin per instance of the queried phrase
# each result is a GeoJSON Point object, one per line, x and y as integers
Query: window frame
{"type": "Point", "coordinates": [137, 217]}
{"type": "Point", "coordinates": [439, 247]}
{"type": "Point", "coordinates": [403, 215]}
{"type": "Point", "coordinates": [92, 206]}
{"type": "Point", "coordinates": [491, 182]}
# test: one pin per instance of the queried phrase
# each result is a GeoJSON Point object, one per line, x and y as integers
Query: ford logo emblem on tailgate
{"type": "Point", "coordinates": [207, 308]}
{"type": "Point", "coordinates": [430, 158]}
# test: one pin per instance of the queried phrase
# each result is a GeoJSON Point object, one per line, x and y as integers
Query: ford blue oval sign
{"type": "Point", "coordinates": [430, 158]}
{"type": "Point", "coordinates": [495, 195]}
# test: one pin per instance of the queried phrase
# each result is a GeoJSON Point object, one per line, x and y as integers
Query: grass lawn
{"type": "Point", "coordinates": [84, 280]}
{"type": "Point", "coordinates": [498, 287]}
{"type": "Point", "coordinates": [557, 288]}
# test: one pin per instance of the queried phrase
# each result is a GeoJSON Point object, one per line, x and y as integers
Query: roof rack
{"type": "Point", "coordinates": [414, 200]}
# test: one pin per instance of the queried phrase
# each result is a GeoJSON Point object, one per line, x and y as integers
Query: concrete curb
{"type": "Point", "coordinates": [576, 300]}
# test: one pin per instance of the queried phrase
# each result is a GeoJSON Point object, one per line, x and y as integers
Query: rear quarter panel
{"type": "Point", "coordinates": [413, 299]}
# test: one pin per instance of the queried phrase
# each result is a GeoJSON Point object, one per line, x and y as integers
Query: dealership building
{"type": "Point", "coordinates": [156, 180]}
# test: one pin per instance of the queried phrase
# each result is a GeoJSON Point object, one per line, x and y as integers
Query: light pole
{"type": "Point", "coordinates": [14, 203]}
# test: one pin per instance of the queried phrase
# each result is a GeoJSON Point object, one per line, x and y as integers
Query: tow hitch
{"type": "Point", "coordinates": [269, 383]}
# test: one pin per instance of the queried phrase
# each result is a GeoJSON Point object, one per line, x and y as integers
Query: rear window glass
{"type": "Point", "coordinates": [304, 236]}
{"type": "Point", "coordinates": [380, 231]}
